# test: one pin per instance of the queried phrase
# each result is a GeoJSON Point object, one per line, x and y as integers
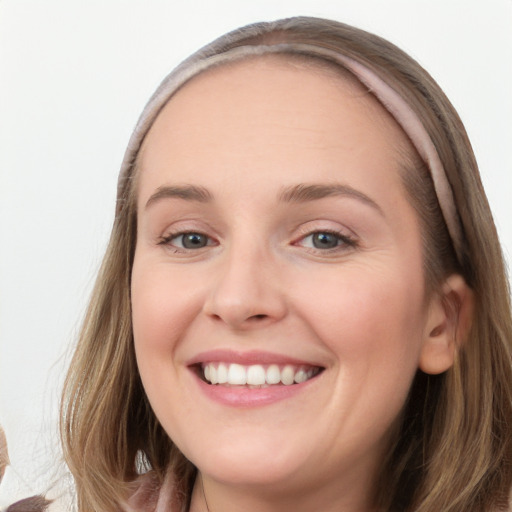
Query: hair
{"type": "Point", "coordinates": [453, 444]}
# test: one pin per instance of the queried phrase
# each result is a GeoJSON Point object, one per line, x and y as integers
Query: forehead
{"type": "Point", "coordinates": [251, 107]}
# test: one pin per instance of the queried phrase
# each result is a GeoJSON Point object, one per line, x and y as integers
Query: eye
{"type": "Point", "coordinates": [326, 240]}
{"type": "Point", "coordinates": [187, 240]}
{"type": "Point", "coordinates": [193, 240]}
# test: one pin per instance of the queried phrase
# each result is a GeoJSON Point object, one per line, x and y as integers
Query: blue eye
{"type": "Point", "coordinates": [325, 240]}
{"type": "Point", "coordinates": [192, 240]}
{"type": "Point", "coordinates": [189, 240]}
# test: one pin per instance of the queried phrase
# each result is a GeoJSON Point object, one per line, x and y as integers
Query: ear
{"type": "Point", "coordinates": [448, 322]}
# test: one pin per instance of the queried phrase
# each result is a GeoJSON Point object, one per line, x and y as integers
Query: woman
{"type": "Point", "coordinates": [303, 305]}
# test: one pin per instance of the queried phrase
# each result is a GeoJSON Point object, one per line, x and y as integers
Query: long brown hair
{"type": "Point", "coordinates": [453, 446]}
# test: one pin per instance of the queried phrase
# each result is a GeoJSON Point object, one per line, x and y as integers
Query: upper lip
{"type": "Point", "coordinates": [247, 358]}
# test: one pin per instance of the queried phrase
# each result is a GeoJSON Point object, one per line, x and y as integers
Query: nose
{"type": "Point", "coordinates": [247, 292]}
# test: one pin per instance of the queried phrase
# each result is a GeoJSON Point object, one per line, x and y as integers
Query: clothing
{"type": "Point", "coordinates": [151, 497]}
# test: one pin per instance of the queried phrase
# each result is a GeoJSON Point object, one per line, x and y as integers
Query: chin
{"type": "Point", "coordinates": [253, 464]}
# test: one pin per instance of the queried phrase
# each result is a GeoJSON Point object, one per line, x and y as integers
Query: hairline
{"type": "Point", "coordinates": [407, 157]}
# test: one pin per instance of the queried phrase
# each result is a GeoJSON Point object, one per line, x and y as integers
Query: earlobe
{"type": "Point", "coordinates": [448, 322]}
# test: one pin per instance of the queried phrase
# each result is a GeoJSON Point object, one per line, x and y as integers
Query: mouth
{"type": "Point", "coordinates": [255, 376]}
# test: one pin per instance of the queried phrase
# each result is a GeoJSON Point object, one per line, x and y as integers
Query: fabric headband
{"type": "Point", "coordinates": [388, 97]}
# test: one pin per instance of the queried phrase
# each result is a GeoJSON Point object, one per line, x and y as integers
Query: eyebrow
{"type": "Point", "coordinates": [187, 192]}
{"type": "Point", "coordinates": [303, 193]}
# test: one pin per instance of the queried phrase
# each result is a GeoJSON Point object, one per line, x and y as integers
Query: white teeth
{"type": "Point", "coordinates": [300, 376]}
{"type": "Point", "coordinates": [237, 374]}
{"type": "Point", "coordinates": [213, 375]}
{"type": "Point", "coordinates": [222, 374]}
{"type": "Point", "coordinates": [256, 376]}
{"type": "Point", "coordinates": [273, 374]}
{"type": "Point", "coordinates": [287, 375]}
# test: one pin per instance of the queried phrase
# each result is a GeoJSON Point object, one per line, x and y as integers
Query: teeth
{"type": "Point", "coordinates": [257, 375]}
{"type": "Point", "coordinates": [287, 375]}
{"type": "Point", "coordinates": [273, 374]}
{"type": "Point", "coordinates": [222, 374]}
{"type": "Point", "coordinates": [213, 375]}
{"type": "Point", "coordinates": [300, 376]}
{"type": "Point", "coordinates": [237, 375]}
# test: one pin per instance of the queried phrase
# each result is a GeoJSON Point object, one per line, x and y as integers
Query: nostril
{"type": "Point", "coordinates": [258, 317]}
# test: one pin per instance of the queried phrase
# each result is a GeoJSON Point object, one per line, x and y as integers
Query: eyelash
{"type": "Point", "coordinates": [344, 242]}
{"type": "Point", "coordinates": [166, 240]}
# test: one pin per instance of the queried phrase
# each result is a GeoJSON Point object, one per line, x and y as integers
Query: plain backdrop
{"type": "Point", "coordinates": [74, 75]}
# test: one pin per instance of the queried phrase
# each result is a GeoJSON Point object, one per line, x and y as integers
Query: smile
{"type": "Point", "coordinates": [257, 375]}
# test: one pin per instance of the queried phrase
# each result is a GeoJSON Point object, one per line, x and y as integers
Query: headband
{"type": "Point", "coordinates": [388, 97]}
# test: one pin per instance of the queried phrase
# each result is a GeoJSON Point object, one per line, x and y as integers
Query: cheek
{"type": "Point", "coordinates": [162, 308]}
{"type": "Point", "coordinates": [372, 322]}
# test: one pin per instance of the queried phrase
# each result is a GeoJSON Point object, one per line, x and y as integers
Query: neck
{"type": "Point", "coordinates": [212, 496]}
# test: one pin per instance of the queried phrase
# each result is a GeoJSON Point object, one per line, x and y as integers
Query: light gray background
{"type": "Point", "coordinates": [73, 79]}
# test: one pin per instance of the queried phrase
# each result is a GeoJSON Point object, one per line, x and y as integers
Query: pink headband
{"type": "Point", "coordinates": [389, 98]}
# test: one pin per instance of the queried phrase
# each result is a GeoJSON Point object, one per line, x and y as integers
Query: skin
{"type": "Point", "coordinates": [245, 133]}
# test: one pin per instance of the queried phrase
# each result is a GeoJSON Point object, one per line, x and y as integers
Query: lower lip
{"type": "Point", "coordinates": [241, 396]}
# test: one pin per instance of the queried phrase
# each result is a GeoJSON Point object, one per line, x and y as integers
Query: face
{"type": "Point", "coordinates": [276, 246]}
